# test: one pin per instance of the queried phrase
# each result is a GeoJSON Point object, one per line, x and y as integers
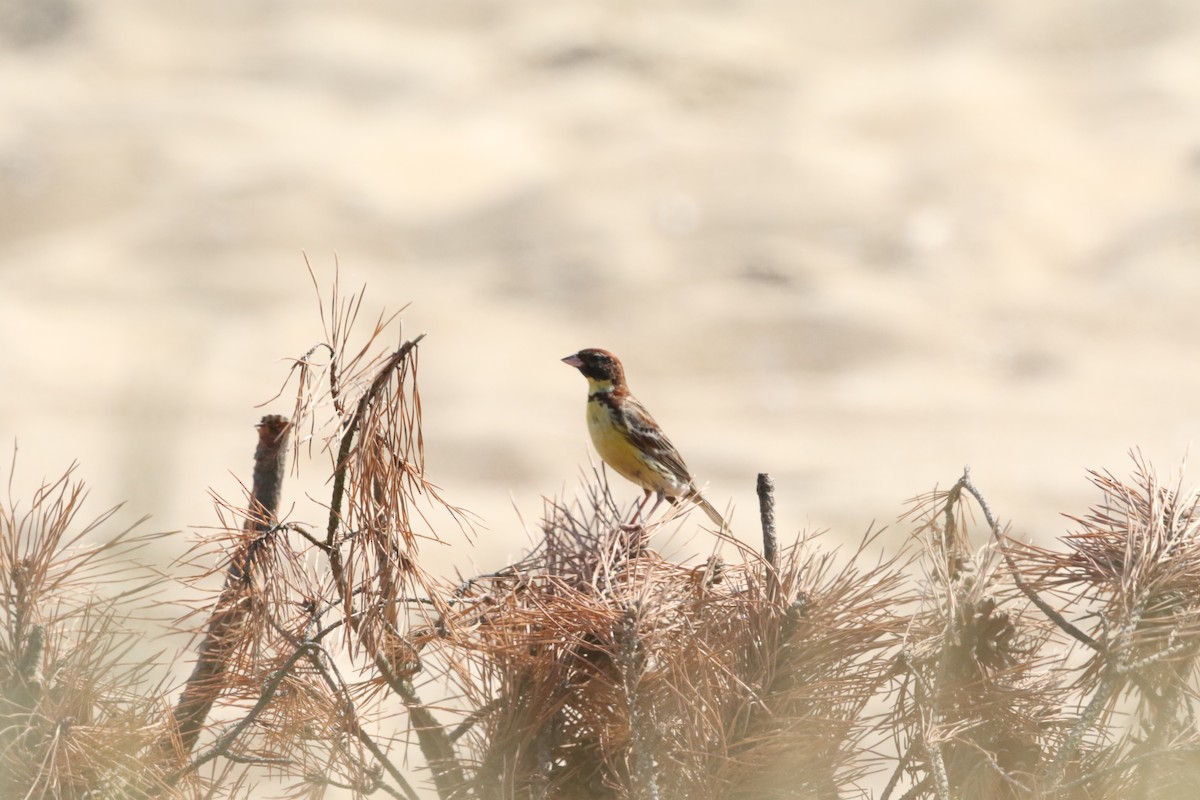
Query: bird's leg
{"type": "Point", "coordinates": [658, 503]}
{"type": "Point", "coordinates": [635, 522]}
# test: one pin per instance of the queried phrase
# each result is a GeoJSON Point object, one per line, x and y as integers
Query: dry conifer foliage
{"type": "Point", "coordinates": [327, 662]}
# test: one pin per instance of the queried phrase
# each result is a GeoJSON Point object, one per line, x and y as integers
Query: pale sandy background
{"type": "Point", "coordinates": [857, 245]}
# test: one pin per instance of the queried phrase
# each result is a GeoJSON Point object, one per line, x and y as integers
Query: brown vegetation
{"type": "Point", "coordinates": [594, 667]}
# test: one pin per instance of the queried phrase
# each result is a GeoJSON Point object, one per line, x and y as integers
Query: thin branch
{"type": "Point", "coordinates": [431, 735]}
{"type": "Point", "coordinates": [226, 740]}
{"type": "Point", "coordinates": [901, 765]}
{"type": "Point", "coordinates": [343, 458]}
{"type": "Point", "coordinates": [1127, 763]}
{"type": "Point", "coordinates": [439, 753]}
{"type": "Point", "coordinates": [1062, 759]}
{"type": "Point", "coordinates": [473, 719]}
{"type": "Point", "coordinates": [335, 682]}
{"type": "Point", "coordinates": [1027, 590]}
{"type": "Point", "coordinates": [306, 535]}
{"type": "Point", "coordinates": [643, 771]}
{"type": "Point", "coordinates": [941, 780]}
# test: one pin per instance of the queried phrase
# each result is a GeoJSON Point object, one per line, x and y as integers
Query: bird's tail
{"type": "Point", "coordinates": [712, 512]}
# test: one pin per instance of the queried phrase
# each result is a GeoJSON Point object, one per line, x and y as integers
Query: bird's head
{"type": "Point", "coordinates": [600, 367]}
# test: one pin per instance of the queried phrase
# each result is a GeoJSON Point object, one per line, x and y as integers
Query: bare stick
{"type": "Point", "coordinates": [270, 465]}
{"type": "Point", "coordinates": [766, 511]}
{"type": "Point", "coordinates": [222, 635]}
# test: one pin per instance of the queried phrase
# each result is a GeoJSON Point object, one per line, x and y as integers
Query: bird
{"type": "Point", "coordinates": [629, 440]}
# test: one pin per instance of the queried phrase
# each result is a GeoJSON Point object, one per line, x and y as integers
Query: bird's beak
{"type": "Point", "coordinates": [574, 361]}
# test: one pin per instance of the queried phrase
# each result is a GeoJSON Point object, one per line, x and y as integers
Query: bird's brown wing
{"type": "Point", "coordinates": [647, 436]}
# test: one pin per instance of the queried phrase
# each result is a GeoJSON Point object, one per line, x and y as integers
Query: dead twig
{"type": "Point", "coordinates": [223, 632]}
{"type": "Point", "coordinates": [766, 510]}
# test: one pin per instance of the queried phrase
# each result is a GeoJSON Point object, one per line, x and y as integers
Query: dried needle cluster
{"type": "Point", "coordinates": [603, 670]}
{"type": "Point", "coordinates": [75, 716]}
{"type": "Point", "coordinates": [1055, 673]}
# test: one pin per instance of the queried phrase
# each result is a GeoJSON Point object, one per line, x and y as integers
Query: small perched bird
{"type": "Point", "coordinates": [628, 438]}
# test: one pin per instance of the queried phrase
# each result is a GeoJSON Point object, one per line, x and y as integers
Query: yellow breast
{"type": "Point", "coordinates": [611, 442]}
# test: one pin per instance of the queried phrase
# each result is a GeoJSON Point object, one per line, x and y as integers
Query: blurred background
{"type": "Point", "coordinates": [855, 245]}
